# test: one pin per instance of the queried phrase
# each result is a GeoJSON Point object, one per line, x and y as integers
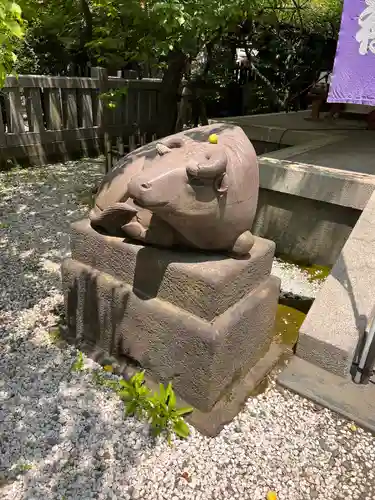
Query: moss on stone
{"type": "Point", "coordinates": [287, 324]}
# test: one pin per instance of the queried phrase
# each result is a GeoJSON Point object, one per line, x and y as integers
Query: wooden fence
{"type": "Point", "coordinates": [45, 119]}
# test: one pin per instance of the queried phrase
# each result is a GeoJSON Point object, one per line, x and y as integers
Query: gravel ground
{"type": "Point", "coordinates": [63, 437]}
{"type": "Point", "coordinates": [296, 281]}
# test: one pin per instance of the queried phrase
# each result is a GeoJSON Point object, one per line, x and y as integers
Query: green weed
{"type": "Point", "coordinates": [25, 467]}
{"type": "Point", "coordinates": [54, 335]}
{"type": "Point", "coordinates": [159, 409]}
{"type": "Point", "coordinates": [79, 363]}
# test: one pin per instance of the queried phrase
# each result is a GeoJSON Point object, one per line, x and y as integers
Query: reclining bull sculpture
{"type": "Point", "coordinates": [184, 191]}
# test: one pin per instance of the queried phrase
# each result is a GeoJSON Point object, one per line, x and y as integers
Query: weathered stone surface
{"type": "Point", "coordinates": [204, 284]}
{"type": "Point", "coordinates": [185, 314]}
{"type": "Point", "coordinates": [184, 191]}
{"type": "Point", "coordinates": [200, 357]}
{"type": "Point", "coordinates": [335, 325]}
{"type": "Point", "coordinates": [307, 210]}
{"type": "Point", "coordinates": [352, 401]}
{"type": "Point", "coordinates": [227, 407]}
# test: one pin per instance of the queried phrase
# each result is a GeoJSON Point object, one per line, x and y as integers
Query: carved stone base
{"type": "Point", "coordinates": [201, 321]}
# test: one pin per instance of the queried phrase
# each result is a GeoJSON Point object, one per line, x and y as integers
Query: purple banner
{"type": "Point", "coordinates": [353, 79]}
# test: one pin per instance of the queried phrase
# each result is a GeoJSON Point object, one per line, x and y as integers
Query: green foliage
{"type": "Point", "coordinates": [165, 416]}
{"type": "Point", "coordinates": [24, 467]}
{"type": "Point", "coordinates": [159, 408]}
{"type": "Point", "coordinates": [285, 38]}
{"type": "Point", "coordinates": [113, 32]}
{"type": "Point", "coordinates": [11, 31]}
{"type": "Point", "coordinates": [113, 97]}
{"type": "Point", "coordinates": [155, 27]}
{"type": "Point", "coordinates": [79, 363]}
{"type": "Point", "coordinates": [135, 395]}
{"type": "Point", "coordinates": [54, 335]}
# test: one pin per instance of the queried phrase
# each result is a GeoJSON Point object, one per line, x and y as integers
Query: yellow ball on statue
{"type": "Point", "coordinates": [213, 139]}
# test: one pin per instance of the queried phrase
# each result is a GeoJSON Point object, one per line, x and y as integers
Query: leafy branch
{"type": "Point", "coordinates": [113, 97]}
{"type": "Point", "coordinates": [11, 30]}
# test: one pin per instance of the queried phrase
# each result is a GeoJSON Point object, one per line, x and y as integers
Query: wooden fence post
{"type": "Point", "coordinates": [34, 109]}
{"type": "Point", "coordinates": [53, 108]}
{"type": "Point", "coordinates": [2, 125]}
{"type": "Point", "coordinates": [14, 111]}
{"type": "Point", "coordinates": [102, 75]}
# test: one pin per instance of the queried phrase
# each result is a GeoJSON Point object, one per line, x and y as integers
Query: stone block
{"type": "Point", "coordinates": [354, 402]}
{"type": "Point", "coordinates": [332, 334]}
{"type": "Point", "coordinates": [228, 406]}
{"type": "Point", "coordinates": [201, 358]}
{"type": "Point", "coordinates": [132, 305]}
{"type": "Point", "coordinates": [204, 284]}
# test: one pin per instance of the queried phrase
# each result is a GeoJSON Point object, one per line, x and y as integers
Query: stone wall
{"type": "Point", "coordinates": [309, 211]}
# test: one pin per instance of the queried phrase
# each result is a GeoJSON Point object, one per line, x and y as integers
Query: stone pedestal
{"type": "Point", "coordinates": [199, 320]}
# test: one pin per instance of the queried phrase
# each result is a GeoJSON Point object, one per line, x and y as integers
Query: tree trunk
{"type": "Point", "coordinates": [82, 57]}
{"type": "Point", "coordinates": [169, 93]}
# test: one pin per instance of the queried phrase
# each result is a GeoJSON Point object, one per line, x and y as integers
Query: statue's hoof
{"type": "Point", "coordinates": [243, 244]}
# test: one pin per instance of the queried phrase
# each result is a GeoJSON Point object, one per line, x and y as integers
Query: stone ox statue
{"type": "Point", "coordinates": [184, 190]}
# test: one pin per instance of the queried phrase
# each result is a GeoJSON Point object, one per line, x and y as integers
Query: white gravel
{"type": "Point", "coordinates": [62, 437]}
{"type": "Point", "coordinates": [295, 280]}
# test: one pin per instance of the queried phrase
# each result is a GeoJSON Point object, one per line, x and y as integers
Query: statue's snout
{"type": "Point", "coordinates": [137, 187]}
{"type": "Point", "coordinates": [152, 192]}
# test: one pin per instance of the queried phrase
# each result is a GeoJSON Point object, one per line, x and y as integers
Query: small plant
{"type": "Point", "coordinates": [159, 409]}
{"type": "Point", "coordinates": [54, 335]}
{"type": "Point", "coordinates": [25, 467]}
{"type": "Point", "coordinates": [79, 363]}
{"type": "Point", "coordinates": [135, 395]}
{"type": "Point", "coordinates": [164, 416]}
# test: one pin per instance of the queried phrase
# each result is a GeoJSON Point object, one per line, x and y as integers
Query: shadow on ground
{"type": "Point", "coordinates": [61, 435]}
{"type": "Point", "coordinates": [36, 208]}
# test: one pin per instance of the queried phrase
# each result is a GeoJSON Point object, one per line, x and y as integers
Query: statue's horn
{"type": "Point", "coordinates": [216, 165]}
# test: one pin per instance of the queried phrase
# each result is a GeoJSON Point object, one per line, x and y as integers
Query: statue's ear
{"type": "Point", "coordinates": [166, 145]}
{"type": "Point", "coordinates": [221, 184]}
{"type": "Point", "coordinates": [162, 149]}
